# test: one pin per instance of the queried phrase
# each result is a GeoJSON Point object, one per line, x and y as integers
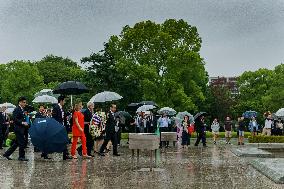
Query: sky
{"type": "Point", "coordinates": [237, 35]}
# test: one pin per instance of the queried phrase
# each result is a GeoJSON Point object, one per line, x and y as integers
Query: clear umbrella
{"type": "Point", "coordinates": [280, 113]}
{"type": "Point", "coordinates": [168, 111]}
{"type": "Point", "coordinates": [46, 92]}
{"type": "Point", "coordinates": [7, 105]}
{"type": "Point", "coordinates": [45, 99]}
{"type": "Point", "coordinates": [180, 116]}
{"type": "Point", "coordinates": [106, 96]}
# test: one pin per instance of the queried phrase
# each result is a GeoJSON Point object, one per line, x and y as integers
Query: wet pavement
{"type": "Point", "coordinates": [196, 167]}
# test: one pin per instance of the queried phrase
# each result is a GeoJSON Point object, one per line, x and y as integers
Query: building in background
{"type": "Point", "coordinates": [229, 82]}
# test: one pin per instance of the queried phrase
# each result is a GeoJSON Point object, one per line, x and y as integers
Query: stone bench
{"type": "Point", "coordinates": [168, 136]}
{"type": "Point", "coordinates": [143, 141]}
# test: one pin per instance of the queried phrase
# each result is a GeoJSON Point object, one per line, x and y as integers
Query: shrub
{"type": "Point", "coordinates": [266, 139]}
{"type": "Point", "coordinates": [208, 135]}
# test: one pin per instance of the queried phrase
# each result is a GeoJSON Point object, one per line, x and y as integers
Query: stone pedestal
{"type": "Point", "coordinates": [143, 141]}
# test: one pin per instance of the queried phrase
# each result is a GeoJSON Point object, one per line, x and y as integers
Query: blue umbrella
{"type": "Point", "coordinates": [48, 135]}
{"type": "Point", "coordinates": [250, 114]}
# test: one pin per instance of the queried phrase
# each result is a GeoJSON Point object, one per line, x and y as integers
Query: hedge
{"type": "Point", "coordinates": [266, 139]}
{"type": "Point", "coordinates": [208, 135]}
{"type": "Point", "coordinates": [125, 135]}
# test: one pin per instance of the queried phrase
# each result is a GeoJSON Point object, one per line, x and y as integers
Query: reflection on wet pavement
{"type": "Point", "coordinates": [196, 167]}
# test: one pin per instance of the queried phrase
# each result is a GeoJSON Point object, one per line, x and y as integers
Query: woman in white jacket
{"type": "Point", "coordinates": [215, 130]}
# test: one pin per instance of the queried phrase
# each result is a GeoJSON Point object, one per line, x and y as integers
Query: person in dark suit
{"type": "Point", "coordinates": [88, 114]}
{"type": "Point", "coordinates": [20, 125]}
{"type": "Point", "coordinates": [2, 124]}
{"type": "Point", "coordinates": [200, 130]}
{"type": "Point", "coordinates": [41, 112]}
{"type": "Point", "coordinates": [110, 132]}
{"type": "Point", "coordinates": [59, 115]}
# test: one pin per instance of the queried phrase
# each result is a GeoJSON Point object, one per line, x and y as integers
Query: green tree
{"type": "Point", "coordinates": [20, 79]}
{"type": "Point", "coordinates": [253, 86]}
{"type": "Point", "coordinates": [102, 75]}
{"type": "Point", "coordinates": [273, 99]}
{"type": "Point", "coordinates": [56, 69]}
{"type": "Point", "coordinates": [162, 62]}
{"type": "Point", "coordinates": [220, 102]}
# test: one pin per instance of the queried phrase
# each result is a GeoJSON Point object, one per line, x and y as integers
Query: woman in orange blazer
{"type": "Point", "coordinates": [78, 131]}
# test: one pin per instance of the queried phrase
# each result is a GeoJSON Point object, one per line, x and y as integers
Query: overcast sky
{"type": "Point", "coordinates": [238, 35]}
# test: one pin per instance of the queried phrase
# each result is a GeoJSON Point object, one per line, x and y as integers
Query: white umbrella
{"type": "Point", "coordinates": [280, 113]}
{"type": "Point", "coordinates": [9, 110]}
{"type": "Point", "coordinates": [105, 96]}
{"type": "Point", "coordinates": [7, 105]}
{"type": "Point", "coordinates": [145, 108]}
{"type": "Point", "coordinates": [46, 92]}
{"type": "Point", "coordinates": [167, 110]}
{"type": "Point", "coordinates": [45, 99]}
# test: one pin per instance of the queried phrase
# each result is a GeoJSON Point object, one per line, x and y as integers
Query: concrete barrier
{"type": "Point", "coordinates": [144, 141]}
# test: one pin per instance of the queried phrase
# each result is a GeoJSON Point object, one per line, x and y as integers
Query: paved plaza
{"type": "Point", "coordinates": [195, 167]}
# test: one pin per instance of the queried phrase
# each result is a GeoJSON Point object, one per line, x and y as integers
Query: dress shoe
{"type": "Point", "coordinates": [22, 159]}
{"type": "Point", "coordinates": [45, 156]}
{"type": "Point", "coordinates": [116, 154]}
{"type": "Point", "coordinates": [7, 157]}
{"type": "Point", "coordinates": [101, 154]}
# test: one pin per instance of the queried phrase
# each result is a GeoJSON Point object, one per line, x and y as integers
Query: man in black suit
{"type": "Point", "coordinates": [20, 125]}
{"type": "Point", "coordinates": [59, 115]}
{"type": "Point", "coordinates": [88, 114]}
{"type": "Point", "coordinates": [2, 125]}
{"type": "Point", "coordinates": [110, 132]}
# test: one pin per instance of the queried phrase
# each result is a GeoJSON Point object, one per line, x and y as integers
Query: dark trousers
{"type": "Point", "coordinates": [26, 134]}
{"type": "Point", "coordinates": [118, 136]}
{"type": "Point", "coordinates": [1, 136]}
{"type": "Point", "coordinates": [201, 136]}
{"type": "Point", "coordinates": [113, 137]}
{"type": "Point", "coordinates": [20, 142]}
{"type": "Point", "coordinates": [185, 138]}
{"type": "Point", "coordinates": [5, 132]}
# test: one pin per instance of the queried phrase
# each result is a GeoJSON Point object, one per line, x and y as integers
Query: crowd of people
{"type": "Point", "coordinates": [98, 131]}
{"type": "Point", "coordinates": [81, 124]}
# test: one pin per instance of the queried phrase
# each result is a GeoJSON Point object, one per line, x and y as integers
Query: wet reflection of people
{"type": "Point", "coordinates": [79, 178]}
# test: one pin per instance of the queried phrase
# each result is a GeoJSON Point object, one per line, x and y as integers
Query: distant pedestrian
{"type": "Point", "coordinates": [279, 126]}
{"type": "Point", "coordinates": [228, 126]}
{"type": "Point", "coordinates": [200, 130]}
{"type": "Point", "coordinates": [242, 127]}
{"type": "Point", "coordinates": [268, 123]}
{"type": "Point", "coordinates": [185, 134]}
{"type": "Point", "coordinates": [164, 123]}
{"type": "Point", "coordinates": [253, 126]}
{"type": "Point", "coordinates": [215, 127]}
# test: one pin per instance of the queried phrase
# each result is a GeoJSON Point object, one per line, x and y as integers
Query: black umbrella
{"type": "Point", "coordinates": [148, 103]}
{"type": "Point", "coordinates": [70, 88]}
{"type": "Point", "coordinates": [199, 114]}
